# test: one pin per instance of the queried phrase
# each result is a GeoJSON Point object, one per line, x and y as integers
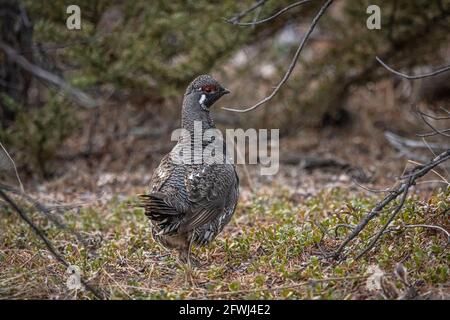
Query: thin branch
{"type": "Point", "coordinates": [242, 14]}
{"type": "Point", "coordinates": [409, 77]}
{"type": "Point", "coordinates": [47, 210]}
{"type": "Point", "coordinates": [425, 168]}
{"type": "Point", "coordinates": [253, 23]}
{"type": "Point", "coordinates": [46, 241]}
{"type": "Point", "coordinates": [14, 166]}
{"type": "Point", "coordinates": [292, 64]}
{"type": "Point", "coordinates": [373, 190]}
{"type": "Point", "coordinates": [430, 227]}
{"type": "Point", "coordinates": [81, 97]}
{"type": "Point", "coordinates": [416, 109]}
{"type": "Point", "coordinates": [433, 181]}
{"type": "Point", "coordinates": [429, 134]}
{"type": "Point", "coordinates": [435, 117]}
{"type": "Point", "coordinates": [416, 173]}
{"type": "Point", "coordinates": [391, 218]}
{"type": "Point", "coordinates": [256, 15]}
{"type": "Point", "coordinates": [437, 131]}
{"type": "Point", "coordinates": [433, 171]}
{"type": "Point", "coordinates": [118, 284]}
{"type": "Point", "coordinates": [435, 155]}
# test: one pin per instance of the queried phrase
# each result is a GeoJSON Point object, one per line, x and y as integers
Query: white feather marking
{"type": "Point", "coordinates": [202, 99]}
{"type": "Point", "coordinates": [162, 174]}
{"type": "Point", "coordinates": [202, 102]}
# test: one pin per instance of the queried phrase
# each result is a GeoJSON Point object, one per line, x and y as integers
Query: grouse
{"type": "Point", "coordinates": [190, 202]}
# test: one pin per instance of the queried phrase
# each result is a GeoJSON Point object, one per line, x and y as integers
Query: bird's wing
{"type": "Point", "coordinates": [209, 189]}
{"type": "Point", "coordinates": [161, 173]}
{"type": "Point", "coordinates": [153, 202]}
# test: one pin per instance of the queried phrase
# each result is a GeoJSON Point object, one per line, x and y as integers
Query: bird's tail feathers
{"type": "Point", "coordinates": [160, 211]}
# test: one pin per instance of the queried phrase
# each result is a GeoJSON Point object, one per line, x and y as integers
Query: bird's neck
{"type": "Point", "coordinates": [192, 115]}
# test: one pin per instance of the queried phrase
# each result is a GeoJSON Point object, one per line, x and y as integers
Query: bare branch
{"type": "Point", "coordinates": [47, 210]}
{"type": "Point", "coordinates": [81, 97]}
{"type": "Point", "coordinates": [421, 168]}
{"type": "Point", "coordinates": [434, 133]}
{"type": "Point", "coordinates": [371, 189]}
{"type": "Point", "coordinates": [242, 14]}
{"type": "Point", "coordinates": [409, 77]}
{"type": "Point", "coordinates": [14, 166]}
{"type": "Point", "coordinates": [46, 241]}
{"type": "Point", "coordinates": [253, 23]}
{"type": "Point", "coordinates": [292, 64]}
{"type": "Point", "coordinates": [435, 155]}
{"type": "Point", "coordinates": [391, 218]}
{"type": "Point", "coordinates": [435, 117]}
{"type": "Point", "coordinates": [437, 131]}
{"type": "Point", "coordinates": [430, 227]}
{"type": "Point", "coordinates": [416, 173]}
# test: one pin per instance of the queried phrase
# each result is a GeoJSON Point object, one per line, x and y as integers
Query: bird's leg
{"type": "Point", "coordinates": [192, 261]}
{"type": "Point", "coordinates": [186, 264]}
{"type": "Point", "coordinates": [185, 255]}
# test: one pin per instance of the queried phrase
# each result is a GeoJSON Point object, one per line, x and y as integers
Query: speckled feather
{"type": "Point", "coordinates": [191, 202]}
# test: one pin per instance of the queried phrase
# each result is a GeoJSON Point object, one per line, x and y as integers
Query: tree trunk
{"type": "Point", "coordinates": [17, 31]}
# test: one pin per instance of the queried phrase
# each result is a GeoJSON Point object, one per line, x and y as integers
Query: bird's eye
{"type": "Point", "coordinates": [208, 88]}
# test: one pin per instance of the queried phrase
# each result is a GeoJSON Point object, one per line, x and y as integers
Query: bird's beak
{"type": "Point", "coordinates": [225, 91]}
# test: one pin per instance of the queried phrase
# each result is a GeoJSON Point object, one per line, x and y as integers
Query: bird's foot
{"type": "Point", "coordinates": [189, 263]}
{"type": "Point", "coordinates": [189, 260]}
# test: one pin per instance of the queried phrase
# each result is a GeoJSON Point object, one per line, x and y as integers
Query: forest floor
{"type": "Point", "coordinates": [274, 247]}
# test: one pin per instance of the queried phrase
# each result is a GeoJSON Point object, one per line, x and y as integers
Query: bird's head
{"type": "Point", "coordinates": [206, 90]}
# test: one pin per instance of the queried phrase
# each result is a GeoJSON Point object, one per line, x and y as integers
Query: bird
{"type": "Point", "coordinates": [191, 203]}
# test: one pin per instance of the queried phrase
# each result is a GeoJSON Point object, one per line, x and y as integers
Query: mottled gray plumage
{"type": "Point", "coordinates": [192, 203]}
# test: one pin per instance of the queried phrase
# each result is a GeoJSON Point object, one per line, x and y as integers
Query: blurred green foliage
{"type": "Point", "coordinates": [412, 34]}
{"type": "Point", "coordinates": [156, 46]}
{"type": "Point", "coordinates": [38, 133]}
{"type": "Point", "coordinates": [144, 48]}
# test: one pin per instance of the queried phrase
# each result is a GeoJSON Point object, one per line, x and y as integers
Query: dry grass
{"type": "Point", "coordinates": [271, 249]}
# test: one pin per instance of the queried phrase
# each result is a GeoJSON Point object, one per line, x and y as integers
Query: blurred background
{"type": "Point", "coordinates": [341, 115]}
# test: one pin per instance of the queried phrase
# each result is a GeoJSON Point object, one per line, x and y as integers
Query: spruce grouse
{"type": "Point", "coordinates": [190, 203]}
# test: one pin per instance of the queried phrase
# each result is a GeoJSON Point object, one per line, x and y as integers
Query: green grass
{"type": "Point", "coordinates": [273, 248]}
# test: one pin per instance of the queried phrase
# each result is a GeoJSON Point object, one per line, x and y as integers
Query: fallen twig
{"type": "Point", "coordinates": [46, 210]}
{"type": "Point", "coordinates": [46, 241]}
{"type": "Point", "coordinates": [430, 227]}
{"type": "Point", "coordinates": [391, 218]}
